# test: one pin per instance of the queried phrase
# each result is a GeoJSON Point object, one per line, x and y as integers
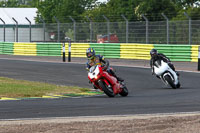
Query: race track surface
{"type": "Point", "coordinates": [147, 94]}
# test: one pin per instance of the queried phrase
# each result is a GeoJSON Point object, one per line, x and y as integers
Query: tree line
{"type": "Point", "coordinates": [133, 10]}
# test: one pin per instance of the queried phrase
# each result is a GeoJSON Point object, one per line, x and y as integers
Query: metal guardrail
{"type": "Point", "coordinates": [109, 50]}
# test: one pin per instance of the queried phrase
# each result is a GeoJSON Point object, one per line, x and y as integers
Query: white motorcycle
{"type": "Point", "coordinates": [166, 74]}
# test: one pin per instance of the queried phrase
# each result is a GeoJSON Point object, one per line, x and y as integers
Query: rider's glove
{"type": "Point", "coordinates": [87, 68]}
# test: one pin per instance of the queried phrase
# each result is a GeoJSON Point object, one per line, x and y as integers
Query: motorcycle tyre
{"type": "Point", "coordinates": [169, 81]}
{"type": "Point", "coordinates": [124, 91]}
{"type": "Point", "coordinates": [105, 89]}
{"type": "Point", "coordinates": [178, 85]}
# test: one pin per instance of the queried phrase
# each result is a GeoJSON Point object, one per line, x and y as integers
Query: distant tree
{"type": "Point", "coordinates": [17, 3]}
{"type": "Point", "coordinates": [9, 3]}
{"type": "Point", "coordinates": [96, 14]}
{"type": "Point", "coordinates": [184, 4]}
{"type": "Point", "coordinates": [191, 7]}
{"type": "Point", "coordinates": [154, 8]}
{"type": "Point", "coordinates": [133, 9]}
{"type": "Point", "coordinates": [113, 9]}
{"type": "Point", "coordinates": [62, 9]}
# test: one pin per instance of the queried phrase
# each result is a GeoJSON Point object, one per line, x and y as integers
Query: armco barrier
{"type": "Point", "coordinates": [6, 48]}
{"type": "Point", "coordinates": [178, 52]}
{"type": "Point", "coordinates": [25, 49]}
{"type": "Point", "coordinates": [195, 53]}
{"type": "Point", "coordinates": [109, 50]}
{"type": "Point", "coordinates": [49, 49]}
{"type": "Point", "coordinates": [77, 49]}
{"type": "Point", "coordinates": [135, 51]}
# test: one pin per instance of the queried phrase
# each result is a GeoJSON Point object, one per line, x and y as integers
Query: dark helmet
{"type": "Point", "coordinates": [90, 53]}
{"type": "Point", "coordinates": [153, 52]}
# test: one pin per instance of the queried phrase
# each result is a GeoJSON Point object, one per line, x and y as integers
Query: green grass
{"type": "Point", "coordinates": [21, 88]}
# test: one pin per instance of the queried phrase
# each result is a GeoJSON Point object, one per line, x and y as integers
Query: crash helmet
{"type": "Point", "coordinates": [90, 53]}
{"type": "Point", "coordinates": [153, 52]}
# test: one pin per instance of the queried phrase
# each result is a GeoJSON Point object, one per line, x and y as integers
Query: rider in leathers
{"type": "Point", "coordinates": [158, 56]}
{"type": "Point", "coordinates": [98, 59]}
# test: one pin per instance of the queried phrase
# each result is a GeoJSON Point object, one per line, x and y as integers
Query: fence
{"type": "Point", "coordinates": [109, 50]}
{"type": "Point", "coordinates": [159, 32]}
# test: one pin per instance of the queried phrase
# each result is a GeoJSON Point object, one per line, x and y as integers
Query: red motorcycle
{"type": "Point", "coordinates": [104, 81]}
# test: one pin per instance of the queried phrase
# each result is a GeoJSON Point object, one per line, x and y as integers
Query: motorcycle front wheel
{"type": "Point", "coordinates": [169, 81]}
{"type": "Point", "coordinates": [107, 90]}
{"type": "Point", "coordinates": [178, 85]}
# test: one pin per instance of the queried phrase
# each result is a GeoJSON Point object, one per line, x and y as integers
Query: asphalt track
{"type": "Point", "coordinates": [147, 94]}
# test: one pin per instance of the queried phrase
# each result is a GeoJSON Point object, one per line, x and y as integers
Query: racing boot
{"type": "Point", "coordinates": [95, 87]}
{"type": "Point", "coordinates": [119, 79]}
{"type": "Point", "coordinates": [173, 68]}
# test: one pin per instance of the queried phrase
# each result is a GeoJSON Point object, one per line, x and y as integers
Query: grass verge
{"type": "Point", "coordinates": [21, 88]}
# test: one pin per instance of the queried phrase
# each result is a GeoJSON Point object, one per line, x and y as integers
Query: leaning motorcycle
{"type": "Point", "coordinates": [107, 83]}
{"type": "Point", "coordinates": [166, 74]}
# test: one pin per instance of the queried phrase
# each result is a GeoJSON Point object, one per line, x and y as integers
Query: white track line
{"type": "Point", "coordinates": [95, 118]}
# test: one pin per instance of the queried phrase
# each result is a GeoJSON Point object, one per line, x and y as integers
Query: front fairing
{"type": "Point", "coordinates": [159, 69]}
{"type": "Point", "coordinates": [112, 81]}
{"type": "Point", "coordinates": [164, 69]}
{"type": "Point", "coordinates": [94, 73]}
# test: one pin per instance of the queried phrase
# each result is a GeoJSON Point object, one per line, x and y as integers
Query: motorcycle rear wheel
{"type": "Point", "coordinates": [169, 81]}
{"type": "Point", "coordinates": [108, 91]}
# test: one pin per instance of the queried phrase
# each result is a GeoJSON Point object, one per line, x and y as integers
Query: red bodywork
{"type": "Point", "coordinates": [108, 79]}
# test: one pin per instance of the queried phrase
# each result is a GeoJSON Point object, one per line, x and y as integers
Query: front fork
{"type": "Point", "coordinates": [103, 80]}
{"type": "Point", "coordinates": [163, 80]}
{"type": "Point", "coordinates": [162, 77]}
{"type": "Point", "coordinates": [113, 87]}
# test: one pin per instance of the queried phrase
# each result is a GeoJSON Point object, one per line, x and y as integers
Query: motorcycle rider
{"type": "Point", "coordinates": [156, 56]}
{"type": "Point", "coordinates": [94, 59]}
